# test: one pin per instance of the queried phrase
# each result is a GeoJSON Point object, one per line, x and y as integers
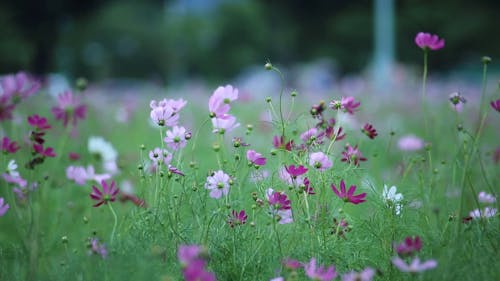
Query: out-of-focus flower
{"type": "Point", "coordinates": [392, 198]}
{"type": "Point", "coordinates": [410, 143]}
{"type": "Point", "coordinates": [107, 194]}
{"type": "Point", "coordinates": [366, 275]}
{"type": "Point", "coordinates": [486, 213]}
{"type": "Point", "coordinates": [279, 143]}
{"type": "Point", "coordinates": [352, 155]}
{"type": "Point", "coordinates": [484, 197]}
{"type": "Point", "coordinates": [255, 158]}
{"type": "Point", "coordinates": [278, 279]}
{"type": "Point", "coordinates": [369, 131]}
{"type": "Point", "coordinates": [12, 168]}
{"type": "Point", "coordinates": [81, 175]}
{"type": "Point", "coordinates": [291, 263]}
{"type": "Point", "coordinates": [409, 246]}
{"type": "Point", "coordinates": [348, 195]}
{"type": "Point", "coordinates": [347, 104]}
{"type": "Point", "coordinates": [219, 102]}
{"type": "Point", "coordinates": [296, 171]}
{"type": "Point", "coordinates": [4, 207]}
{"type": "Point", "coordinates": [340, 227]}
{"type": "Point", "coordinates": [319, 273]}
{"type": "Point", "coordinates": [456, 98]}
{"type": "Point", "coordinates": [38, 122]}
{"type": "Point", "coordinates": [415, 265]}
{"type": "Point", "coordinates": [495, 105]}
{"type": "Point", "coordinates": [98, 248]}
{"type": "Point", "coordinates": [310, 136]}
{"type": "Point", "coordinates": [73, 156]}
{"type": "Point", "coordinates": [16, 179]}
{"type": "Point", "coordinates": [176, 138]}
{"type": "Point", "coordinates": [224, 123]}
{"type": "Point", "coordinates": [218, 184]}
{"type": "Point", "coordinates": [69, 108]}
{"type": "Point", "coordinates": [45, 152]}
{"type": "Point", "coordinates": [237, 218]}
{"type": "Point", "coordinates": [190, 257]}
{"type": "Point", "coordinates": [188, 253]}
{"type": "Point", "coordinates": [19, 87]}
{"type": "Point", "coordinates": [320, 161]}
{"type": "Point", "coordinates": [161, 156]}
{"type": "Point", "coordinates": [280, 207]}
{"type": "Point", "coordinates": [427, 41]}
{"type": "Point", "coordinates": [9, 146]}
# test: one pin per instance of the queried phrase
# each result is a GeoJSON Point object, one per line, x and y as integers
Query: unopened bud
{"type": "Point", "coordinates": [486, 59]}
{"type": "Point", "coordinates": [268, 66]}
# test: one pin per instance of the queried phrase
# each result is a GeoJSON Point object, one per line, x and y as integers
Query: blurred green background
{"type": "Point", "coordinates": [169, 40]}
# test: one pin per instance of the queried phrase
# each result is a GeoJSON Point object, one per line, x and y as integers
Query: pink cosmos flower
{"type": "Point", "coordinates": [237, 218]}
{"type": "Point", "coordinates": [98, 248]}
{"type": "Point", "coordinates": [81, 175]}
{"type": "Point", "coordinates": [195, 271]}
{"type": "Point", "coordinates": [73, 156]}
{"type": "Point", "coordinates": [279, 143]}
{"type": "Point", "coordinates": [484, 197]}
{"type": "Point", "coordinates": [19, 86]}
{"type": "Point", "coordinates": [319, 273]}
{"type": "Point", "coordinates": [38, 122]}
{"type": "Point", "coordinates": [176, 105]}
{"type": "Point", "coordinates": [255, 158]}
{"type": "Point", "coordinates": [107, 194]}
{"type": "Point", "coordinates": [4, 207]}
{"type": "Point", "coordinates": [296, 171]}
{"type": "Point", "coordinates": [369, 130]}
{"type": "Point", "coordinates": [428, 41]}
{"type": "Point", "coordinates": [352, 155]}
{"type": "Point", "coordinates": [47, 152]}
{"type": "Point", "coordinates": [320, 161]}
{"type": "Point", "coordinates": [159, 155]}
{"type": "Point", "coordinates": [495, 105]}
{"type": "Point", "coordinates": [218, 184]}
{"type": "Point", "coordinates": [291, 263]}
{"type": "Point", "coordinates": [366, 275]}
{"type": "Point", "coordinates": [410, 143]}
{"type": "Point", "coordinates": [15, 179]}
{"type": "Point", "coordinates": [280, 207]}
{"type": "Point", "coordinates": [187, 253]}
{"type": "Point", "coordinates": [332, 135]}
{"type": "Point", "coordinates": [310, 136]}
{"type": "Point", "coordinates": [347, 104]}
{"type": "Point", "coordinates": [409, 246]}
{"type": "Point", "coordinates": [486, 213]}
{"type": "Point", "coordinates": [415, 265]}
{"type": "Point", "coordinates": [176, 138]}
{"type": "Point", "coordinates": [69, 108]}
{"type": "Point", "coordinates": [218, 103]}
{"type": "Point", "coordinates": [348, 196]}
{"type": "Point", "coordinates": [224, 123]}
{"type": "Point", "coordinates": [164, 116]}
{"type": "Point", "coordinates": [9, 146]}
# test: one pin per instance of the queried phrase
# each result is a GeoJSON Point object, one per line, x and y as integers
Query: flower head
{"type": "Point", "coordinates": [415, 265]}
{"type": "Point", "coordinates": [9, 146]}
{"type": "Point", "coordinates": [188, 253]}
{"type": "Point", "coordinates": [38, 122]}
{"type": "Point", "coordinates": [218, 184]}
{"type": "Point", "coordinates": [296, 171]}
{"type": "Point", "coordinates": [319, 273]}
{"type": "Point", "coordinates": [18, 87]}
{"type": "Point", "coordinates": [224, 123]}
{"type": "Point", "coordinates": [98, 248]}
{"type": "Point", "coordinates": [107, 194]}
{"type": "Point", "coordinates": [176, 138]}
{"type": "Point", "coordinates": [255, 158]}
{"type": "Point", "coordinates": [320, 161]}
{"type": "Point", "coordinates": [352, 155]}
{"type": "Point", "coordinates": [237, 218]}
{"type": "Point", "coordinates": [280, 207]}
{"type": "Point", "coordinates": [428, 41]}
{"type": "Point", "coordinates": [366, 275]}
{"type": "Point", "coordinates": [410, 143]}
{"type": "Point", "coordinates": [69, 108]}
{"type": "Point", "coordinates": [369, 131]}
{"type": "Point", "coordinates": [348, 196]}
{"type": "Point", "coordinates": [159, 155]}
{"type": "Point", "coordinates": [486, 213]}
{"type": "Point", "coordinates": [409, 246]}
{"type": "Point", "coordinates": [484, 197]}
{"type": "Point", "coordinates": [495, 105]}
{"type": "Point", "coordinates": [392, 199]}
{"type": "Point", "coordinates": [4, 207]}
{"type": "Point", "coordinates": [219, 102]}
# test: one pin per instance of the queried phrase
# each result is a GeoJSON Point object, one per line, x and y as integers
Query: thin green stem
{"type": "Point", "coordinates": [114, 224]}
{"type": "Point", "coordinates": [424, 93]}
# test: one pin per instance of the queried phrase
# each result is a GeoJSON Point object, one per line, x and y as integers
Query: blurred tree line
{"type": "Point", "coordinates": [155, 40]}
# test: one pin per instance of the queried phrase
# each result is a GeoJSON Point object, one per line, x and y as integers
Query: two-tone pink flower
{"type": "Point", "coordinates": [427, 41]}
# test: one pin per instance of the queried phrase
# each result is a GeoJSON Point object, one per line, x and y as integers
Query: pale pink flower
{"type": "Point", "coordinates": [319, 273]}
{"type": "Point", "coordinates": [176, 138]}
{"type": "Point", "coordinates": [486, 213]}
{"type": "Point", "coordinates": [19, 86]}
{"type": "Point", "coordinates": [256, 158]}
{"type": "Point", "coordinates": [366, 275]}
{"type": "Point", "coordinates": [4, 207]}
{"type": "Point", "coordinates": [320, 161]}
{"type": "Point", "coordinates": [218, 184]}
{"type": "Point", "coordinates": [98, 248]}
{"type": "Point", "coordinates": [224, 123]}
{"type": "Point", "coordinates": [484, 197]}
{"type": "Point", "coordinates": [159, 155]}
{"type": "Point", "coordinates": [410, 143]}
{"type": "Point", "coordinates": [69, 108]}
{"type": "Point", "coordinates": [164, 116]}
{"type": "Point", "coordinates": [415, 265]}
{"type": "Point", "coordinates": [219, 102]}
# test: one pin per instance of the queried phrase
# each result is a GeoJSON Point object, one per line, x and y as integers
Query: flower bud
{"type": "Point", "coordinates": [268, 66]}
{"type": "Point", "coordinates": [81, 84]}
{"type": "Point", "coordinates": [486, 59]}
{"type": "Point", "coordinates": [268, 99]}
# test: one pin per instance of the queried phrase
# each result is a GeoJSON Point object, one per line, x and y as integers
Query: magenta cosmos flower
{"type": "Point", "coordinates": [38, 122]}
{"type": "Point", "coordinates": [427, 41]}
{"type": "Point", "coordinates": [320, 161]}
{"type": "Point", "coordinates": [415, 265]}
{"type": "Point", "coordinates": [319, 273]}
{"type": "Point", "coordinates": [348, 196]}
{"type": "Point", "coordinates": [4, 207]}
{"type": "Point", "coordinates": [219, 102]}
{"type": "Point", "coordinates": [9, 146]}
{"type": "Point", "coordinates": [237, 218]}
{"type": "Point", "coordinates": [255, 158]}
{"type": "Point", "coordinates": [280, 207]}
{"type": "Point", "coordinates": [107, 194]}
{"type": "Point", "coordinates": [495, 105]}
{"type": "Point", "coordinates": [409, 246]}
{"type": "Point", "coordinates": [369, 130]}
{"type": "Point", "coordinates": [218, 184]}
{"type": "Point", "coordinates": [69, 108]}
{"type": "Point", "coordinates": [352, 155]}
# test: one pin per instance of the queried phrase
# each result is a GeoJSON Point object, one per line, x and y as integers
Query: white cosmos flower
{"type": "Point", "coordinates": [98, 145]}
{"type": "Point", "coordinates": [392, 198]}
{"type": "Point", "coordinates": [12, 168]}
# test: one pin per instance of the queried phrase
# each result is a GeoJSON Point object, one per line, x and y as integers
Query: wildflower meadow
{"type": "Point", "coordinates": [223, 184]}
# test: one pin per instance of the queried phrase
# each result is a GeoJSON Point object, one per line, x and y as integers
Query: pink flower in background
{"type": "Point", "coordinates": [366, 275]}
{"type": "Point", "coordinates": [415, 265]}
{"type": "Point", "coordinates": [15, 179]}
{"type": "Point", "coordinates": [486, 213]}
{"type": "Point", "coordinates": [78, 174]}
{"type": "Point", "coordinates": [255, 158]}
{"type": "Point", "coordinates": [495, 105]}
{"type": "Point", "coordinates": [175, 105]}
{"type": "Point", "coordinates": [164, 116]}
{"type": "Point", "coordinates": [484, 197]}
{"type": "Point", "coordinates": [237, 218]}
{"type": "Point", "coordinates": [279, 143]}
{"type": "Point", "coordinates": [159, 155]}
{"type": "Point", "coordinates": [309, 136]}
{"type": "Point", "coordinates": [369, 130]}
{"type": "Point", "coordinates": [409, 246]}
{"type": "Point", "coordinates": [195, 271]}
{"type": "Point", "coordinates": [98, 248]}
{"type": "Point", "coordinates": [410, 143]}
{"type": "Point", "coordinates": [219, 102]}
{"type": "Point", "coordinates": [320, 161]}
{"type": "Point", "coordinates": [6, 108]}
{"type": "Point", "coordinates": [73, 156]}
{"type": "Point", "coordinates": [4, 207]}
{"type": "Point", "coordinates": [69, 108]}
{"type": "Point", "coordinates": [9, 146]}
{"type": "Point", "coordinates": [331, 134]}
{"type": "Point", "coordinates": [176, 138]}
{"type": "Point", "coordinates": [188, 253]}
{"type": "Point", "coordinates": [47, 152]}
{"type": "Point", "coordinates": [352, 155]}
{"type": "Point", "coordinates": [296, 171]}
{"type": "Point", "coordinates": [280, 207]}
{"type": "Point", "coordinates": [291, 263]}
{"type": "Point", "coordinates": [428, 41]}
{"type": "Point", "coordinates": [224, 123]}
{"type": "Point", "coordinates": [348, 196]}
{"type": "Point", "coordinates": [18, 87]}
{"type": "Point", "coordinates": [38, 122]}
{"type": "Point", "coordinates": [107, 194]}
{"type": "Point", "coordinates": [319, 273]}
{"type": "Point", "coordinates": [348, 104]}
{"type": "Point", "coordinates": [218, 184]}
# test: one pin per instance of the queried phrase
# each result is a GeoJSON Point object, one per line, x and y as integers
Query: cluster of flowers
{"type": "Point", "coordinates": [193, 263]}
{"type": "Point", "coordinates": [488, 211]}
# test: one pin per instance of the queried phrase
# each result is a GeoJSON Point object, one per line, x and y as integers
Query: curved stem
{"type": "Point", "coordinates": [115, 223]}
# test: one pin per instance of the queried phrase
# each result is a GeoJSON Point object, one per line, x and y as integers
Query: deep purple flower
{"type": "Point", "coordinates": [348, 196]}
{"type": "Point", "coordinates": [369, 130]}
{"type": "Point", "coordinates": [319, 273]}
{"type": "Point", "coordinates": [218, 184]}
{"type": "Point", "coordinates": [352, 155]}
{"type": "Point", "coordinates": [415, 265]}
{"type": "Point", "coordinates": [409, 246]}
{"type": "Point", "coordinates": [255, 158]}
{"type": "Point", "coordinates": [495, 105]}
{"type": "Point", "coordinates": [38, 122]}
{"type": "Point", "coordinates": [69, 108]}
{"type": "Point", "coordinates": [296, 171]}
{"type": "Point", "coordinates": [428, 41]}
{"type": "Point", "coordinates": [47, 152]}
{"type": "Point", "coordinates": [237, 218]}
{"type": "Point", "coordinates": [320, 161]}
{"type": "Point", "coordinates": [9, 146]}
{"type": "Point", "coordinates": [108, 193]}
{"type": "Point", "coordinates": [4, 207]}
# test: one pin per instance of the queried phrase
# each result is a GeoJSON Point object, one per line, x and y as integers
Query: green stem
{"type": "Point", "coordinates": [282, 119]}
{"type": "Point", "coordinates": [115, 223]}
{"type": "Point", "coordinates": [424, 93]}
